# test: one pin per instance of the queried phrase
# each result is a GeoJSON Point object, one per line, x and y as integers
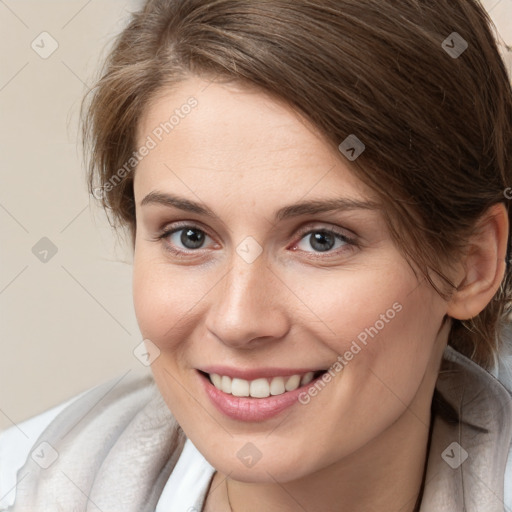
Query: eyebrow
{"type": "Point", "coordinates": [293, 210]}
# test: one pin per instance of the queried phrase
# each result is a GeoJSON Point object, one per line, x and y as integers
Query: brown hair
{"type": "Point", "coordinates": [436, 125]}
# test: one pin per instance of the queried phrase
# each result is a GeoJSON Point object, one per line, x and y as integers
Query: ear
{"type": "Point", "coordinates": [484, 265]}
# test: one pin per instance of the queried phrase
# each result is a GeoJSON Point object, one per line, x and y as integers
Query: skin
{"type": "Point", "coordinates": [360, 444]}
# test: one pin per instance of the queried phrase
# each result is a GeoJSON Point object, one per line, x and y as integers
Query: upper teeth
{"type": "Point", "coordinates": [259, 388]}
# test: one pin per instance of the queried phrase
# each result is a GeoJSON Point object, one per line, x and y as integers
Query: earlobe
{"type": "Point", "coordinates": [484, 265]}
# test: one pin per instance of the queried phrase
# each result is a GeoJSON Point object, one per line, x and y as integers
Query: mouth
{"type": "Point", "coordinates": [257, 400]}
{"type": "Point", "coordinates": [262, 387]}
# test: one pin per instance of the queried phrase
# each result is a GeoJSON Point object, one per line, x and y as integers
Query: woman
{"type": "Point", "coordinates": [315, 194]}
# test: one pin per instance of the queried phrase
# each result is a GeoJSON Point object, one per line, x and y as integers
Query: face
{"type": "Point", "coordinates": [249, 286]}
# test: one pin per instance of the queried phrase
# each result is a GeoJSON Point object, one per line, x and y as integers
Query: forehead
{"type": "Point", "coordinates": [223, 135]}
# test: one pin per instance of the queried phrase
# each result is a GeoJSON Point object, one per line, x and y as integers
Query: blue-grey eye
{"type": "Point", "coordinates": [322, 240]}
{"type": "Point", "coordinates": [190, 238]}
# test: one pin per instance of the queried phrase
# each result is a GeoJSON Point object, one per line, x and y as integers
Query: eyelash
{"type": "Point", "coordinates": [351, 243]}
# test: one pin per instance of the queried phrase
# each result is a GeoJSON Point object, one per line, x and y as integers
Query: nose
{"type": "Point", "coordinates": [248, 305]}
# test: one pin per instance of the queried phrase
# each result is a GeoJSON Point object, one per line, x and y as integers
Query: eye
{"type": "Point", "coordinates": [189, 237]}
{"type": "Point", "coordinates": [323, 240]}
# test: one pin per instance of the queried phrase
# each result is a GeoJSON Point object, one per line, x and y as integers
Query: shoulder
{"type": "Point", "coordinates": [503, 372]}
{"type": "Point", "coordinates": [17, 441]}
{"type": "Point", "coordinates": [15, 445]}
{"type": "Point", "coordinates": [483, 399]}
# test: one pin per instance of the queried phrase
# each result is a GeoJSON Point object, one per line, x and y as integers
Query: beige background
{"type": "Point", "coordinates": [66, 324]}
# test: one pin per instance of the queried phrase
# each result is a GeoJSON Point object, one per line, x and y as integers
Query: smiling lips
{"type": "Point", "coordinates": [258, 397]}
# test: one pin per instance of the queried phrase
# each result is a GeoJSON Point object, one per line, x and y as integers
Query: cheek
{"type": "Point", "coordinates": [383, 331]}
{"type": "Point", "coordinates": [155, 297]}
{"type": "Point", "coordinates": [167, 299]}
{"type": "Point", "coordinates": [396, 342]}
{"type": "Point", "coordinates": [151, 299]}
{"type": "Point", "coordinates": [360, 307]}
